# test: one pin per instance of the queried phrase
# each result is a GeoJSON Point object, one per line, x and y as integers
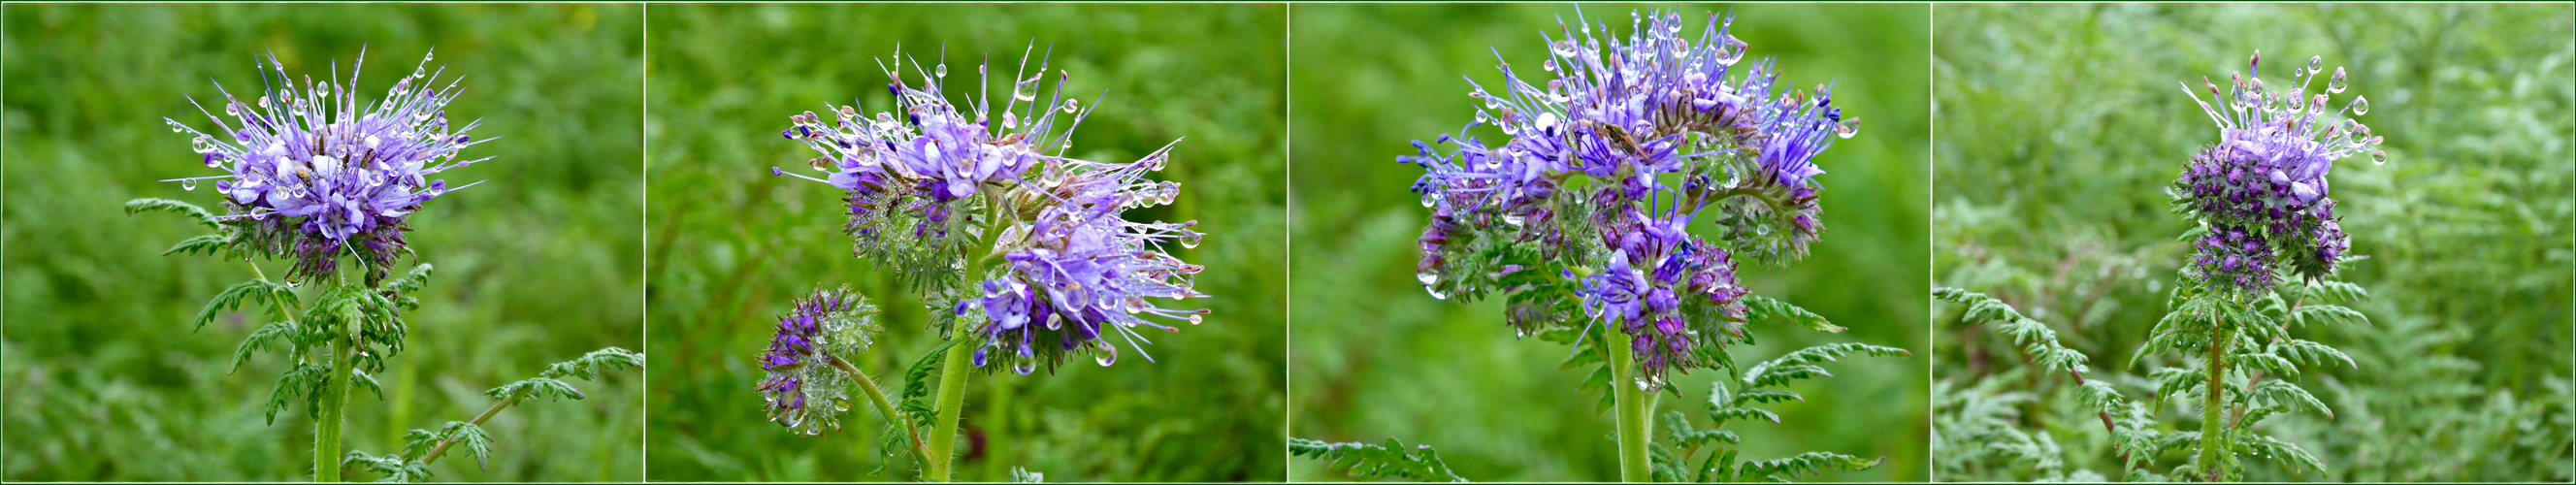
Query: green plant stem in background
{"type": "Point", "coordinates": [877, 396]}
{"type": "Point", "coordinates": [326, 438]}
{"type": "Point", "coordinates": [2211, 441]}
{"type": "Point", "coordinates": [1632, 407]}
{"type": "Point", "coordinates": [952, 397]}
{"type": "Point", "coordinates": [496, 408]}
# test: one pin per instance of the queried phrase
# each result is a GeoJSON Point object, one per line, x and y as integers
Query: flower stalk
{"type": "Point", "coordinates": [1633, 406]}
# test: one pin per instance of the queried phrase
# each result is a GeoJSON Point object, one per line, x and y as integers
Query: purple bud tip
{"type": "Point", "coordinates": [776, 171]}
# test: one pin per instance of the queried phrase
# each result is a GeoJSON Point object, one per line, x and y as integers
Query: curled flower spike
{"type": "Point", "coordinates": [2264, 182]}
{"type": "Point", "coordinates": [805, 389]}
{"type": "Point", "coordinates": [314, 173]}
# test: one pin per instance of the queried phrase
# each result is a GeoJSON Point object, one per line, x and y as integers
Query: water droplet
{"type": "Point", "coordinates": [1435, 293]}
{"type": "Point", "coordinates": [941, 71]}
{"type": "Point", "coordinates": [175, 127]}
{"type": "Point", "coordinates": [1549, 66]}
{"type": "Point", "coordinates": [232, 109]}
{"type": "Point", "coordinates": [1071, 106]}
{"type": "Point", "coordinates": [1190, 239]}
{"type": "Point", "coordinates": [1427, 201]}
{"type": "Point", "coordinates": [263, 102]}
{"type": "Point", "coordinates": [1197, 319]}
{"type": "Point", "coordinates": [2360, 105]}
{"type": "Point", "coordinates": [1847, 128]}
{"type": "Point", "coordinates": [1482, 118]}
{"type": "Point", "coordinates": [1515, 219]}
{"type": "Point", "coordinates": [2379, 157]}
{"type": "Point", "coordinates": [2316, 63]}
{"type": "Point", "coordinates": [1010, 121]}
{"type": "Point", "coordinates": [1108, 354]}
{"type": "Point", "coordinates": [1025, 366]}
{"type": "Point", "coordinates": [1427, 278]}
{"type": "Point", "coordinates": [201, 144]}
{"type": "Point", "coordinates": [2335, 85]}
{"type": "Point", "coordinates": [188, 184]}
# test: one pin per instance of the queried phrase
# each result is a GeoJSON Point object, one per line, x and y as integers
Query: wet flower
{"type": "Point", "coordinates": [1655, 269]}
{"type": "Point", "coordinates": [315, 173]}
{"type": "Point", "coordinates": [1080, 272]}
{"type": "Point", "coordinates": [807, 388]}
{"type": "Point", "coordinates": [918, 164]}
{"type": "Point", "coordinates": [2266, 176]}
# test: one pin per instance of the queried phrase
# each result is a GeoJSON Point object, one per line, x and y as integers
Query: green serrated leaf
{"type": "Point", "coordinates": [1389, 460]}
{"type": "Point", "coordinates": [1760, 308]}
{"type": "Point", "coordinates": [191, 211]}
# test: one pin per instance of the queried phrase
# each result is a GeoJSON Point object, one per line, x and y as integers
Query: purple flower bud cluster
{"type": "Point", "coordinates": [1071, 269]}
{"type": "Point", "coordinates": [1606, 162]}
{"type": "Point", "coordinates": [316, 173]}
{"type": "Point", "coordinates": [2262, 189]}
{"type": "Point", "coordinates": [1079, 271]}
{"type": "Point", "coordinates": [1655, 268]}
{"type": "Point", "coordinates": [805, 389]}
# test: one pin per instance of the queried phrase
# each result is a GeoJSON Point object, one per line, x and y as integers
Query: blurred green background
{"type": "Point", "coordinates": [104, 381]}
{"type": "Point", "coordinates": [732, 244]}
{"type": "Point", "coordinates": [2061, 125]}
{"type": "Point", "coordinates": [1376, 357]}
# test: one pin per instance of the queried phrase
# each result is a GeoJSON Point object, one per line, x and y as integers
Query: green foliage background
{"type": "Point", "coordinates": [732, 244]}
{"type": "Point", "coordinates": [105, 381]}
{"type": "Point", "coordinates": [1376, 357]}
{"type": "Point", "coordinates": [2061, 125]}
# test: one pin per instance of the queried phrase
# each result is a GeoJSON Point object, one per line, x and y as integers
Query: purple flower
{"type": "Point", "coordinates": [1080, 271]}
{"type": "Point", "coordinates": [316, 174]}
{"type": "Point", "coordinates": [1656, 268]}
{"type": "Point", "coordinates": [805, 389]}
{"type": "Point", "coordinates": [2266, 177]}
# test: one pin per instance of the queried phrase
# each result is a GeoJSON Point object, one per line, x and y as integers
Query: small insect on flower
{"type": "Point", "coordinates": [807, 386]}
{"type": "Point", "coordinates": [2262, 189]}
{"type": "Point", "coordinates": [315, 173]}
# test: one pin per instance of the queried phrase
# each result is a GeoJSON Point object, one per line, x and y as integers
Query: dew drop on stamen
{"type": "Point", "coordinates": [1196, 319]}
{"type": "Point", "coordinates": [2360, 105]}
{"type": "Point", "coordinates": [188, 184]}
{"type": "Point", "coordinates": [2316, 63]}
{"type": "Point", "coordinates": [941, 71]}
{"type": "Point", "coordinates": [1071, 106]}
{"type": "Point", "coordinates": [1847, 129]}
{"type": "Point", "coordinates": [1024, 367]}
{"type": "Point", "coordinates": [1108, 355]}
{"type": "Point", "coordinates": [2379, 157]}
{"type": "Point", "coordinates": [2335, 85]}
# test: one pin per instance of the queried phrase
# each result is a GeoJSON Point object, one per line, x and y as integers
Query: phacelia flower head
{"type": "Point", "coordinates": [1072, 268]}
{"type": "Point", "coordinates": [908, 172]}
{"type": "Point", "coordinates": [315, 173]}
{"type": "Point", "coordinates": [1607, 160]}
{"type": "Point", "coordinates": [2262, 189]}
{"type": "Point", "coordinates": [808, 383]}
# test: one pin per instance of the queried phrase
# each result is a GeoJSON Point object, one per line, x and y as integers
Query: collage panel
{"type": "Point", "coordinates": [211, 207]}
{"type": "Point", "coordinates": [1460, 302]}
{"type": "Point", "coordinates": [1103, 337]}
{"type": "Point", "coordinates": [2369, 203]}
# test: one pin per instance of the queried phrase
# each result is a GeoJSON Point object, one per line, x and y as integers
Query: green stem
{"type": "Point", "coordinates": [952, 400]}
{"type": "Point", "coordinates": [441, 450]}
{"type": "Point", "coordinates": [876, 395]}
{"type": "Point", "coordinates": [2212, 439]}
{"type": "Point", "coordinates": [335, 393]}
{"type": "Point", "coordinates": [1632, 407]}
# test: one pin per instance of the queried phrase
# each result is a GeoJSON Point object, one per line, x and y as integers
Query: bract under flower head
{"type": "Point", "coordinates": [315, 173]}
{"type": "Point", "coordinates": [2264, 183]}
{"type": "Point", "coordinates": [805, 389]}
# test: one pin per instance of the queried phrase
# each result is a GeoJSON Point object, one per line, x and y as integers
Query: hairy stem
{"type": "Point", "coordinates": [496, 408]}
{"type": "Point", "coordinates": [326, 438]}
{"type": "Point", "coordinates": [952, 396]}
{"type": "Point", "coordinates": [1632, 408]}
{"type": "Point", "coordinates": [877, 396]}
{"type": "Point", "coordinates": [2212, 443]}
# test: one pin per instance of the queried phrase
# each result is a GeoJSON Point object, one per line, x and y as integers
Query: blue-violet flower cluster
{"type": "Point", "coordinates": [1070, 270]}
{"type": "Point", "coordinates": [2261, 190]}
{"type": "Point", "coordinates": [1606, 163]}
{"type": "Point", "coordinates": [315, 173]}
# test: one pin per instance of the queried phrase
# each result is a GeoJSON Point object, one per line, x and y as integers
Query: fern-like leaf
{"type": "Point", "coordinates": [1389, 460]}
{"type": "Point", "coordinates": [536, 387]}
{"type": "Point", "coordinates": [191, 211]}
{"type": "Point", "coordinates": [1759, 308]}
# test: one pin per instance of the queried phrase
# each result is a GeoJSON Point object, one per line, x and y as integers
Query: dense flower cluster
{"type": "Point", "coordinates": [2262, 189]}
{"type": "Point", "coordinates": [315, 173]}
{"type": "Point", "coordinates": [807, 386]}
{"type": "Point", "coordinates": [1073, 270]}
{"type": "Point", "coordinates": [1591, 150]}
